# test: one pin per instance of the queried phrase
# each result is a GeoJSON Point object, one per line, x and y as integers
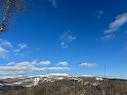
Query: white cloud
{"type": "Point", "coordinates": [7, 49]}
{"type": "Point", "coordinates": [63, 63]}
{"type": "Point", "coordinates": [11, 63]}
{"type": "Point", "coordinates": [119, 21]}
{"type": "Point", "coordinates": [57, 69]}
{"type": "Point", "coordinates": [5, 43]}
{"type": "Point", "coordinates": [66, 39]}
{"type": "Point", "coordinates": [64, 45]}
{"type": "Point", "coordinates": [12, 73]}
{"type": "Point", "coordinates": [34, 62]}
{"type": "Point", "coordinates": [21, 47]}
{"type": "Point", "coordinates": [54, 3]}
{"type": "Point", "coordinates": [21, 68]}
{"type": "Point", "coordinates": [44, 63]}
{"type": "Point", "coordinates": [24, 68]}
{"type": "Point", "coordinates": [85, 64]}
{"type": "Point", "coordinates": [108, 37]}
{"type": "Point", "coordinates": [3, 52]}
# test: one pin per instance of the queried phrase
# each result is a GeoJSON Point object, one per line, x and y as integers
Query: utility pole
{"type": "Point", "coordinates": [75, 87]}
{"type": "Point", "coordinates": [105, 70]}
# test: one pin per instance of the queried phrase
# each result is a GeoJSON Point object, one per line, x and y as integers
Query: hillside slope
{"type": "Point", "coordinates": [63, 85]}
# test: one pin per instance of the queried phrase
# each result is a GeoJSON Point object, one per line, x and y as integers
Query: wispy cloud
{"type": "Point", "coordinates": [63, 63]}
{"type": "Point", "coordinates": [108, 37]}
{"type": "Point", "coordinates": [66, 39]}
{"type": "Point", "coordinates": [57, 69]}
{"type": "Point", "coordinates": [5, 43]}
{"type": "Point", "coordinates": [119, 21]}
{"type": "Point", "coordinates": [3, 52]}
{"type": "Point", "coordinates": [44, 63]}
{"type": "Point", "coordinates": [54, 3]}
{"type": "Point", "coordinates": [21, 47]}
{"type": "Point", "coordinates": [5, 47]}
{"type": "Point", "coordinates": [11, 63]}
{"type": "Point", "coordinates": [85, 64]}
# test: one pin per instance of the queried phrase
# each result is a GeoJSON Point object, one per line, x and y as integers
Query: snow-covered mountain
{"type": "Point", "coordinates": [54, 84]}
{"type": "Point", "coordinates": [33, 81]}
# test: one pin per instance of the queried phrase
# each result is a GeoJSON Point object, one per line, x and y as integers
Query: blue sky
{"type": "Point", "coordinates": [66, 36]}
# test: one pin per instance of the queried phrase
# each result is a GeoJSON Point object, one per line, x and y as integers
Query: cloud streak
{"type": "Point", "coordinates": [108, 37]}
{"type": "Point", "coordinates": [3, 52]}
{"type": "Point", "coordinates": [63, 63]}
{"type": "Point", "coordinates": [85, 64]}
{"type": "Point", "coordinates": [44, 63]}
{"type": "Point", "coordinates": [5, 43]}
{"type": "Point", "coordinates": [7, 49]}
{"type": "Point", "coordinates": [21, 47]}
{"type": "Point", "coordinates": [119, 21]}
{"type": "Point", "coordinates": [66, 39]}
{"type": "Point", "coordinates": [56, 68]}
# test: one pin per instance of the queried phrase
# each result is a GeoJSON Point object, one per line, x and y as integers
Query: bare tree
{"type": "Point", "coordinates": [10, 7]}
